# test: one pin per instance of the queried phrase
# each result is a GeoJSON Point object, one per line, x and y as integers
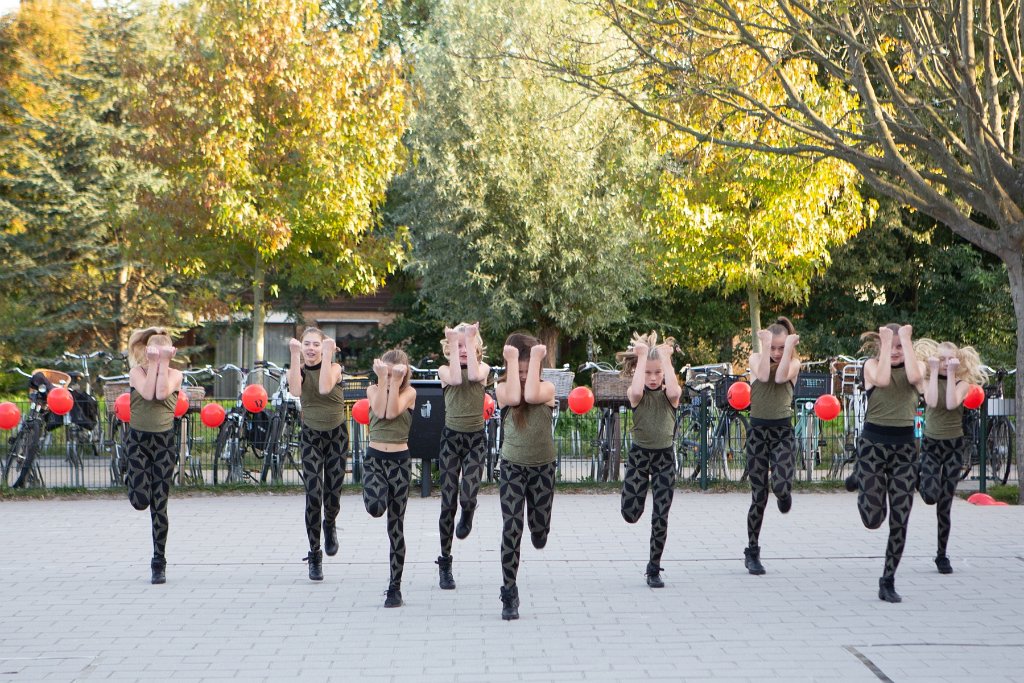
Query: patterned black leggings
{"type": "Point", "coordinates": [461, 452]}
{"type": "Point", "coordinates": [656, 469]}
{"type": "Point", "coordinates": [942, 461]}
{"type": "Point", "coordinates": [386, 489]}
{"type": "Point", "coordinates": [323, 469]}
{"type": "Point", "coordinates": [769, 450]}
{"type": "Point", "coordinates": [150, 470]}
{"type": "Point", "coordinates": [522, 486]}
{"type": "Point", "coordinates": [887, 471]}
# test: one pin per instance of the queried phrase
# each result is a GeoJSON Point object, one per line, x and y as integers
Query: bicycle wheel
{"type": "Point", "coordinates": [73, 453]}
{"type": "Point", "coordinates": [28, 473]}
{"type": "Point", "coordinates": [972, 427]}
{"type": "Point", "coordinates": [271, 466]}
{"type": "Point", "coordinates": [9, 472]}
{"type": "Point", "coordinates": [220, 451]}
{"type": "Point", "coordinates": [118, 454]}
{"type": "Point", "coordinates": [687, 441]}
{"type": "Point", "coordinates": [734, 444]}
{"type": "Point", "coordinates": [1000, 450]}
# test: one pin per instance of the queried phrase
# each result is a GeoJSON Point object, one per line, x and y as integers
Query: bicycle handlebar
{"type": "Point", "coordinates": [112, 378]}
{"type": "Point", "coordinates": [86, 356]}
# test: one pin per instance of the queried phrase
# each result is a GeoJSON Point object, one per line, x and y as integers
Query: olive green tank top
{"type": "Point", "coordinates": [322, 412]}
{"type": "Point", "coordinates": [531, 444]}
{"type": "Point", "coordinates": [464, 405]}
{"type": "Point", "coordinates": [894, 405]}
{"type": "Point", "coordinates": [940, 422]}
{"type": "Point", "coordinates": [654, 420]}
{"type": "Point", "coordinates": [152, 416]}
{"type": "Point", "coordinates": [771, 400]}
{"type": "Point", "coordinates": [395, 430]}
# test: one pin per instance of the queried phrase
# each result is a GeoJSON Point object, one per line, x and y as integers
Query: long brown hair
{"type": "Point", "coordinates": [140, 339]}
{"type": "Point", "coordinates": [398, 357]}
{"type": "Point", "coordinates": [522, 342]}
{"type": "Point", "coordinates": [783, 326]}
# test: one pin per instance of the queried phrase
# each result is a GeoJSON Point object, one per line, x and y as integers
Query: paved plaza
{"type": "Point", "coordinates": [76, 603]}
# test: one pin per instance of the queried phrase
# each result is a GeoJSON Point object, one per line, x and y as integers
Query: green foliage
{"type": "Point", "coordinates": [523, 202]}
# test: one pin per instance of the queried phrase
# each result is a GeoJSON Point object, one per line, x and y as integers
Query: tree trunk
{"type": "Point", "coordinates": [258, 282]}
{"type": "Point", "coordinates": [1015, 269]}
{"type": "Point", "coordinates": [549, 336]}
{"type": "Point", "coordinates": [754, 301]}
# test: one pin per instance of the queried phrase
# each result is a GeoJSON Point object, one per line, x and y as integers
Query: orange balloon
{"type": "Point", "coordinates": [10, 415]}
{"type": "Point", "coordinates": [254, 398]}
{"type": "Point", "coordinates": [739, 395]}
{"type": "Point", "coordinates": [123, 407]}
{"type": "Point", "coordinates": [975, 397]}
{"type": "Point", "coordinates": [60, 401]}
{"type": "Point", "coordinates": [212, 415]}
{"type": "Point", "coordinates": [981, 499]}
{"type": "Point", "coordinates": [361, 411]}
{"type": "Point", "coordinates": [581, 400]}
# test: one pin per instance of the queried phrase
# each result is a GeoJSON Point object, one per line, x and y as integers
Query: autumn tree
{"type": "Point", "coordinates": [277, 135]}
{"type": "Point", "coordinates": [522, 201]}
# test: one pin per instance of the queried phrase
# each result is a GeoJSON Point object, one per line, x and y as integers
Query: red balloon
{"type": "Point", "coordinates": [181, 407]}
{"type": "Point", "coordinates": [123, 407]}
{"type": "Point", "coordinates": [488, 406]}
{"type": "Point", "coordinates": [981, 499]}
{"type": "Point", "coordinates": [361, 411]}
{"type": "Point", "coordinates": [10, 416]}
{"type": "Point", "coordinates": [212, 415]}
{"type": "Point", "coordinates": [739, 395]}
{"type": "Point", "coordinates": [975, 397]}
{"type": "Point", "coordinates": [254, 398]}
{"type": "Point", "coordinates": [581, 400]}
{"type": "Point", "coordinates": [827, 407]}
{"type": "Point", "coordinates": [60, 401]}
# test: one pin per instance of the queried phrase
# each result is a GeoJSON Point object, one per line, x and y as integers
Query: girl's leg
{"type": "Point", "coordinates": [397, 473]}
{"type": "Point", "coordinates": [635, 483]}
{"type": "Point", "coordinates": [139, 455]}
{"type": "Point", "coordinates": [375, 486]}
{"type": "Point", "coordinates": [931, 470]}
{"type": "Point", "coordinates": [757, 471]}
{"type": "Point", "coordinates": [449, 463]}
{"type": "Point", "coordinates": [951, 467]}
{"type": "Point", "coordinates": [540, 496]}
{"type": "Point", "coordinates": [901, 482]}
{"type": "Point", "coordinates": [161, 471]}
{"type": "Point", "coordinates": [512, 485]}
{"type": "Point", "coordinates": [312, 453]}
{"type": "Point", "coordinates": [663, 484]}
{"type": "Point", "coordinates": [335, 448]}
{"type": "Point", "coordinates": [872, 481]}
{"type": "Point", "coordinates": [474, 452]}
{"type": "Point", "coordinates": [782, 461]}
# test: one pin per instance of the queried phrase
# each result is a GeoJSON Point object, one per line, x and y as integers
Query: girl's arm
{"type": "Point", "coordinates": [761, 361]}
{"type": "Point", "coordinates": [509, 392]}
{"type": "Point", "coordinates": [537, 391]}
{"type": "Point", "coordinates": [143, 382]}
{"type": "Point", "coordinates": [330, 373]}
{"type": "Point", "coordinates": [476, 371]}
{"type": "Point", "coordinates": [395, 394]}
{"type": "Point", "coordinates": [635, 391]}
{"type": "Point", "coordinates": [931, 387]}
{"type": "Point", "coordinates": [295, 367]}
{"type": "Point", "coordinates": [915, 368]}
{"type": "Point", "coordinates": [444, 373]}
{"type": "Point", "coordinates": [956, 391]}
{"type": "Point", "coordinates": [378, 394]}
{"type": "Point", "coordinates": [406, 400]}
{"type": "Point", "coordinates": [878, 371]}
{"type": "Point", "coordinates": [673, 392]}
{"type": "Point", "coordinates": [789, 367]}
{"type": "Point", "coordinates": [166, 381]}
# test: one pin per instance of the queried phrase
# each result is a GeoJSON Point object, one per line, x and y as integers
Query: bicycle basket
{"type": "Point", "coordinates": [562, 379]}
{"type": "Point", "coordinates": [609, 388]}
{"type": "Point", "coordinates": [111, 390]}
{"type": "Point", "coordinates": [812, 385]}
{"type": "Point", "coordinates": [354, 387]}
{"type": "Point", "coordinates": [85, 412]}
{"type": "Point", "coordinates": [722, 390]}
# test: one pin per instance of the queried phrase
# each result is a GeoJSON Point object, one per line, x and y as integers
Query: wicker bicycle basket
{"type": "Point", "coordinates": [609, 388]}
{"type": "Point", "coordinates": [111, 390]}
{"type": "Point", "coordinates": [562, 379]}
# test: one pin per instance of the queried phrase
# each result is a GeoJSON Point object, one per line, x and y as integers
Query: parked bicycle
{"type": "Point", "coordinates": [610, 399]}
{"type": "Point", "coordinates": [999, 439]}
{"type": "Point", "coordinates": [242, 432]}
{"type": "Point", "coordinates": [21, 466]}
{"type": "Point", "coordinates": [283, 433]}
{"type": "Point", "coordinates": [725, 430]}
{"type": "Point", "coordinates": [809, 430]}
{"type": "Point", "coordinates": [188, 469]}
{"type": "Point", "coordinates": [848, 383]}
{"type": "Point", "coordinates": [116, 430]}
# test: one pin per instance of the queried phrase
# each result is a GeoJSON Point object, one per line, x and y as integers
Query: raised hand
{"type": "Point", "coordinates": [152, 353]}
{"type": "Point", "coordinates": [294, 346]}
{"type": "Point", "coordinates": [792, 340]}
{"type": "Point", "coordinates": [398, 372]}
{"type": "Point", "coordinates": [167, 352]}
{"type": "Point", "coordinates": [906, 331]}
{"type": "Point", "coordinates": [885, 334]}
{"type": "Point", "coordinates": [765, 337]}
{"type": "Point", "coordinates": [538, 351]}
{"type": "Point", "coordinates": [328, 347]}
{"type": "Point", "coordinates": [473, 330]}
{"type": "Point", "coordinates": [952, 365]}
{"type": "Point", "coordinates": [381, 369]}
{"type": "Point", "coordinates": [510, 354]}
{"type": "Point", "coordinates": [933, 362]}
{"type": "Point", "coordinates": [641, 349]}
{"type": "Point", "coordinates": [665, 350]}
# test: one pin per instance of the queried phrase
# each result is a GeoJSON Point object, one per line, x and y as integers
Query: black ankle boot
{"type": "Point", "coordinates": [851, 482]}
{"type": "Point", "coordinates": [330, 539]}
{"type": "Point", "coordinates": [785, 503]}
{"type": "Point", "coordinates": [887, 590]}
{"type": "Point", "coordinates": [510, 603]}
{"type": "Point", "coordinates": [539, 539]}
{"type": "Point", "coordinates": [444, 572]}
{"type": "Point", "coordinates": [943, 565]}
{"type": "Point", "coordinates": [654, 576]}
{"type": "Point", "coordinates": [159, 567]}
{"type": "Point", "coordinates": [316, 568]}
{"type": "Point", "coordinates": [394, 596]}
{"type": "Point", "coordinates": [752, 559]}
{"type": "Point", "coordinates": [465, 524]}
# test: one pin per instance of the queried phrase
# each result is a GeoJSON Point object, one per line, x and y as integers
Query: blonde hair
{"type": "Point", "coordinates": [462, 327]}
{"type": "Point", "coordinates": [140, 339]}
{"type": "Point", "coordinates": [628, 358]}
{"type": "Point", "coordinates": [970, 369]}
{"type": "Point", "coordinates": [398, 357]}
{"type": "Point", "coordinates": [312, 330]}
